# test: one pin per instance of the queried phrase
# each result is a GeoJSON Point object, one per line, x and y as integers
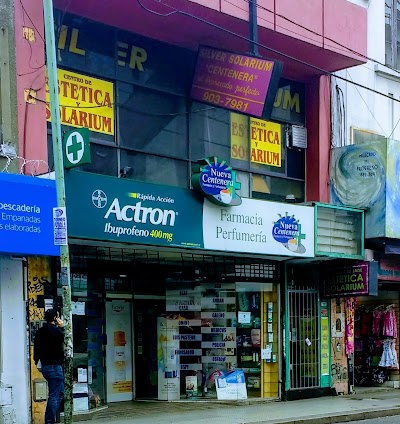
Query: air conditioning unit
{"type": "Point", "coordinates": [296, 136]}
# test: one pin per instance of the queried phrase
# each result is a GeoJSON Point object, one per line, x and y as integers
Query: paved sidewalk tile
{"type": "Point", "coordinates": [320, 410]}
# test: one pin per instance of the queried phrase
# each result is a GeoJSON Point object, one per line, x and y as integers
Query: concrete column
{"type": "Point", "coordinates": [13, 343]}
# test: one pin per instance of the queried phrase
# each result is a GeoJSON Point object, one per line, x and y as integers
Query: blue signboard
{"type": "Point", "coordinates": [26, 215]}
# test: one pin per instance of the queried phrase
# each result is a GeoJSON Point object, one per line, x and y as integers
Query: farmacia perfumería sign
{"type": "Point", "coordinates": [262, 227]}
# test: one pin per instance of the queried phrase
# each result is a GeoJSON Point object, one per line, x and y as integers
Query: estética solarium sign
{"type": "Point", "coordinates": [244, 84]}
{"type": "Point", "coordinates": [354, 280]}
{"type": "Point", "coordinates": [216, 180]}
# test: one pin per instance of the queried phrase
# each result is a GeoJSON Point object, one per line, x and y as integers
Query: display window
{"type": "Point", "coordinates": [375, 346]}
{"type": "Point", "coordinates": [194, 333]}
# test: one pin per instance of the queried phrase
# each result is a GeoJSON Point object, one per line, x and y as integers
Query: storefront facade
{"type": "Point", "coordinates": [142, 255]}
{"type": "Point", "coordinates": [376, 355]}
{"type": "Point", "coordinates": [184, 299]}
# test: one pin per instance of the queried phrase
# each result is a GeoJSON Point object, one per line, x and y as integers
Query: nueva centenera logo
{"type": "Point", "coordinates": [217, 181]}
{"type": "Point", "coordinates": [287, 231]}
{"type": "Point", "coordinates": [139, 219]}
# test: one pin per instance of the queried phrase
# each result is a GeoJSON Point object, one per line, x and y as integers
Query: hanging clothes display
{"type": "Point", "coordinates": [375, 334]}
{"type": "Point", "coordinates": [350, 310]}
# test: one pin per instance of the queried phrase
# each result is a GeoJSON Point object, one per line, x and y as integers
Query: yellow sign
{"type": "Point", "coordinates": [122, 387]}
{"type": "Point", "coordinates": [84, 102]}
{"type": "Point", "coordinates": [266, 146]}
{"type": "Point", "coordinates": [325, 346]}
{"type": "Point", "coordinates": [239, 136]}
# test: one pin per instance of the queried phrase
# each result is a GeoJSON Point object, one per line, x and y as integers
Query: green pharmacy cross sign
{"type": "Point", "coordinates": [217, 181]}
{"type": "Point", "coordinates": [76, 147]}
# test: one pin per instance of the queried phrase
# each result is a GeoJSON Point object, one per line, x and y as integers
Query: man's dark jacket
{"type": "Point", "coordinates": [49, 345]}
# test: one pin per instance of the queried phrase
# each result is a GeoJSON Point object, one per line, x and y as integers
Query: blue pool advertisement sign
{"type": "Point", "coordinates": [26, 215]}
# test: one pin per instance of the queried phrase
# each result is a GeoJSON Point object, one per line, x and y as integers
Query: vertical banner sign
{"type": "Point", "coordinates": [324, 339]}
{"type": "Point", "coordinates": [119, 351]}
{"type": "Point", "coordinates": [168, 360]}
{"type": "Point", "coordinates": [241, 83]}
{"type": "Point", "coordinates": [60, 226]}
{"type": "Point", "coordinates": [266, 142]}
{"type": "Point", "coordinates": [84, 102]}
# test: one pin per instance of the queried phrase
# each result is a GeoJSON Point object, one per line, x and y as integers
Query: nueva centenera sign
{"type": "Point", "coordinates": [217, 181]}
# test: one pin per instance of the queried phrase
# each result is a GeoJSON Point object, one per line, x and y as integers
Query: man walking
{"type": "Point", "coordinates": [49, 350]}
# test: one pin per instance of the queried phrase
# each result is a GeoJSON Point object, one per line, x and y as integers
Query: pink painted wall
{"type": "Point", "coordinates": [318, 118]}
{"type": "Point", "coordinates": [32, 132]}
{"type": "Point", "coordinates": [336, 25]}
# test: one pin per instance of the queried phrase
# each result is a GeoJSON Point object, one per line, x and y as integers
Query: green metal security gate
{"type": "Point", "coordinates": [303, 337]}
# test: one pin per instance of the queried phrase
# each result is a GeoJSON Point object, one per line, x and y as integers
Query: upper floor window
{"type": "Point", "coordinates": [392, 33]}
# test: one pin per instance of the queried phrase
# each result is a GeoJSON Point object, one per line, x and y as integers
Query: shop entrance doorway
{"type": "Point", "coordinates": [303, 303]}
{"type": "Point", "coordinates": [146, 311]}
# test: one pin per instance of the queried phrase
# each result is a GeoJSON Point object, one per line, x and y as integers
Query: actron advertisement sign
{"type": "Point", "coordinates": [122, 210]}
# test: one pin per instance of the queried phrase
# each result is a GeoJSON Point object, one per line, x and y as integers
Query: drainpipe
{"type": "Point", "coordinates": [253, 27]}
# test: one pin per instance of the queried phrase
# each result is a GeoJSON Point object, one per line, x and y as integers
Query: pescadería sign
{"type": "Point", "coordinates": [348, 281]}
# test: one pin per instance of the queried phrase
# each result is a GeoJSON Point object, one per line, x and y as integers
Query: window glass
{"type": "Point", "coordinates": [276, 189]}
{"type": "Point", "coordinates": [244, 179]}
{"type": "Point", "coordinates": [104, 160]}
{"type": "Point", "coordinates": [209, 132]}
{"type": "Point", "coordinates": [388, 33]}
{"type": "Point", "coordinates": [155, 169]}
{"type": "Point", "coordinates": [151, 121]}
{"type": "Point", "coordinates": [296, 163]}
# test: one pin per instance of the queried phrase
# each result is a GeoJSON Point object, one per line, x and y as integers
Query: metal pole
{"type": "Point", "coordinates": [253, 27]}
{"type": "Point", "coordinates": [59, 171]}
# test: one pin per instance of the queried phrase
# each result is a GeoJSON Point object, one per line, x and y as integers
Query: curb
{"type": "Point", "coordinates": [337, 418]}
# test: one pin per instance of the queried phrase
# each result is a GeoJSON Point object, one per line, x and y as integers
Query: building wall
{"type": "Point", "coordinates": [31, 78]}
{"type": "Point", "coordinates": [13, 351]}
{"type": "Point", "coordinates": [8, 108]}
{"type": "Point", "coordinates": [365, 109]}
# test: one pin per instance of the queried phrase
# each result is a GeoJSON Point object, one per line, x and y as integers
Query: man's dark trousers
{"type": "Point", "coordinates": [55, 380]}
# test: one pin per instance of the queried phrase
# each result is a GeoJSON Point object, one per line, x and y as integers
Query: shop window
{"type": "Point", "coordinates": [215, 330]}
{"type": "Point", "coordinates": [392, 33]}
{"type": "Point", "coordinates": [154, 169]}
{"type": "Point", "coordinates": [103, 160]}
{"type": "Point", "coordinates": [276, 189]}
{"type": "Point", "coordinates": [151, 121]}
{"type": "Point", "coordinates": [244, 179]}
{"type": "Point", "coordinates": [209, 132]}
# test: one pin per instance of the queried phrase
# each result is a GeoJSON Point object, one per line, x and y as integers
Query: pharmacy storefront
{"type": "Point", "coordinates": [176, 296]}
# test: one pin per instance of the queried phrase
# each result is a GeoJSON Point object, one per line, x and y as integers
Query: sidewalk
{"type": "Point", "coordinates": [369, 404]}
